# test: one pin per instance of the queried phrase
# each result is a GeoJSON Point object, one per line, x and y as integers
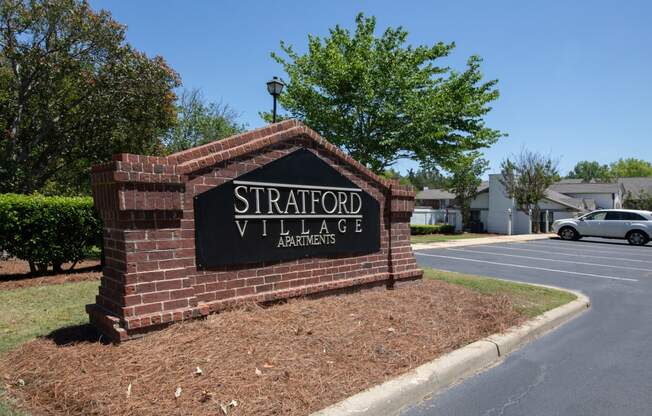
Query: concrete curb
{"type": "Point", "coordinates": [482, 240]}
{"type": "Point", "coordinates": [391, 397]}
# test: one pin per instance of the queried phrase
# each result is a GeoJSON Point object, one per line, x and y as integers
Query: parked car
{"type": "Point", "coordinates": [631, 225]}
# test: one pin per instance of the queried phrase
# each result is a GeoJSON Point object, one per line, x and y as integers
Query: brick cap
{"type": "Point", "coordinates": [172, 168]}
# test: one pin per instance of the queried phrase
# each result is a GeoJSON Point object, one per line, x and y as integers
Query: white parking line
{"type": "Point", "coordinates": [527, 267]}
{"type": "Point", "coordinates": [553, 260]}
{"type": "Point", "coordinates": [610, 248]}
{"type": "Point", "coordinates": [573, 255]}
{"type": "Point", "coordinates": [589, 249]}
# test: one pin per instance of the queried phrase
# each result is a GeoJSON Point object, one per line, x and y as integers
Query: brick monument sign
{"type": "Point", "coordinates": [270, 214]}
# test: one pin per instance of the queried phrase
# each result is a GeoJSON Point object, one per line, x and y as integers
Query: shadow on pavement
{"type": "Point", "coordinates": [615, 242]}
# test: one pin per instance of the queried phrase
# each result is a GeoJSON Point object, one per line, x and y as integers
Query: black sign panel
{"type": "Point", "coordinates": [297, 206]}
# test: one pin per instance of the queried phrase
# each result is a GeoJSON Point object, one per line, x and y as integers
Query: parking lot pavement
{"type": "Point", "coordinates": [598, 364]}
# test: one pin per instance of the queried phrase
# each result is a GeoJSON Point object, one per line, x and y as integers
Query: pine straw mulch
{"type": "Point", "coordinates": [14, 274]}
{"type": "Point", "coordinates": [287, 359]}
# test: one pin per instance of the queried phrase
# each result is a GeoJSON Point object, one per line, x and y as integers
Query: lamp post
{"type": "Point", "coordinates": [275, 87]}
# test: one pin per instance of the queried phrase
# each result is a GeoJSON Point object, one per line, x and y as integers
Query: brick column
{"type": "Point", "coordinates": [402, 263]}
{"type": "Point", "coordinates": [145, 279]}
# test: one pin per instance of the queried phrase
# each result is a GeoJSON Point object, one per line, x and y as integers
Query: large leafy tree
{"type": "Point", "coordinates": [72, 92]}
{"type": "Point", "coordinates": [466, 177]}
{"type": "Point", "coordinates": [380, 99]}
{"type": "Point", "coordinates": [199, 122]}
{"type": "Point", "coordinates": [631, 168]}
{"type": "Point", "coordinates": [526, 177]}
{"type": "Point", "coordinates": [589, 171]}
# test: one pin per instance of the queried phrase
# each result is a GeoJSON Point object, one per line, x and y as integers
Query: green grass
{"type": "Point", "coordinates": [28, 313]}
{"type": "Point", "coordinates": [438, 238]}
{"type": "Point", "coordinates": [528, 300]}
{"type": "Point", "coordinates": [31, 312]}
{"type": "Point", "coordinates": [6, 409]}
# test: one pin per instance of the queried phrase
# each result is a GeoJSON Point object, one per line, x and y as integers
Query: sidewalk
{"type": "Point", "coordinates": [482, 240]}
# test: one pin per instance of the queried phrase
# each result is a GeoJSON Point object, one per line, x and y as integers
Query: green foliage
{"type": "Point", "coordinates": [622, 168]}
{"type": "Point", "coordinates": [393, 174]}
{"type": "Point", "coordinates": [591, 171]}
{"type": "Point", "coordinates": [642, 201]}
{"type": "Point", "coordinates": [73, 93]}
{"type": "Point", "coordinates": [464, 181]}
{"type": "Point", "coordinates": [631, 168]}
{"type": "Point", "coordinates": [48, 230]}
{"type": "Point", "coordinates": [526, 179]}
{"type": "Point", "coordinates": [431, 229]}
{"type": "Point", "coordinates": [426, 178]}
{"type": "Point", "coordinates": [381, 100]}
{"type": "Point", "coordinates": [199, 122]}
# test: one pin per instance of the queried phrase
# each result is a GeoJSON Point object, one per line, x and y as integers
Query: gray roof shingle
{"type": "Point", "coordinates": [585, 188]}
{"type": "Point", "coordinates": [636, 185]}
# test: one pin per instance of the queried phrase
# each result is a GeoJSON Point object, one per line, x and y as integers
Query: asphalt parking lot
{"type": "Point", "coordinates": [598, 364]}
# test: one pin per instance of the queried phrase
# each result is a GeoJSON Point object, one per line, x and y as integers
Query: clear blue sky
{"type": "Point", "coordinates": [575, 77]}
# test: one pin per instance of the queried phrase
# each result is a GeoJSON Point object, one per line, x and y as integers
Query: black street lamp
{"type": "Point", "coordinates": [275, 87]}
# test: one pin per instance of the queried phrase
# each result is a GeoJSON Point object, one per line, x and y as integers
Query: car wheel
{"type": "Point", "coordinates": [637, 238]}
{"type": "Point", "coordinates": [568, 233]}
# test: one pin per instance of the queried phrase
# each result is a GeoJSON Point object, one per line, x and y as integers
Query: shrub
{"type": "Point", "coordinates": [432, 229]}
{"type": "Point", "coordinates": [46, 230]}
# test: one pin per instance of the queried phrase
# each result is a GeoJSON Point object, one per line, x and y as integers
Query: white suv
{"type": "Point", "coordinates": [634, 226]}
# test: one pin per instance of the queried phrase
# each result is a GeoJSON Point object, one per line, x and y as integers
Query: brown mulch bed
{"type": "Point", "coordinates": [14, 274]}
{"type": "Point", "coordinates": [287, 359]}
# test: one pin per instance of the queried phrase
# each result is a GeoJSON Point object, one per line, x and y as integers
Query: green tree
{"type": "Point", "coordinates": [381, 100]}
{"type": "Point", "coordinates": [589, 171]}
{"type": "Point", "coordinates": [426, 178]}
{"type": "Point", "coordinates": [73, 92]}
{"type": "Point", "coordinates": [641, 200]}
{"type": "Point", "coordinates": [466, 177]}
{"type": "Point", "coordinates": [199, 122]}
{"type": "Point", "coordinates": [526, 177]}
{"type": "Point", "coordinates": [631, 168]}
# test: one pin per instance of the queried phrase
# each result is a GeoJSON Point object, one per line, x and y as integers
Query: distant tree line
{"type": "Point", "coordinates": [592, 171]}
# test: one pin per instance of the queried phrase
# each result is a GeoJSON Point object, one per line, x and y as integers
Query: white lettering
{"type": "Point", "coordinates": [257, 189]}
{"type": "Point", "coordinates": [242, 228]}
{"type": "Point", "coordinates": [303, 193]}
{"type": "Point", "coordinates": [341, 225]}
{"type": "Point", "coordinates": [342, 196]}
{"type": "Point", "coordinates": [358, 225]}
{"type": "Point", "coordinates": [241, 198]}
{"type": "Point", "coordinates": [314, 198]}
{"type": "Point", "coordinates": [273, 200]}
{"type": "Point", "coordinates": [303, 227]}
{"type": "Point", "coordinates": [324, 226]}
{"type": "Point", "coordinates": [283, 230]}
{"type": "Point", "coordinates": [355, 209]}
{"type": "Point", "coordinates": [291, 201]}
{"type": "Point", "coordinates": [323, 202]}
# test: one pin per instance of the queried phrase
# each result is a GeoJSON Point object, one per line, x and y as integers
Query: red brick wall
{"type": "Point", "coordinates": [150, 276]}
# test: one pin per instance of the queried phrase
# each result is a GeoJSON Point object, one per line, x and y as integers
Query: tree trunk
{"type": "Point", "coordinates": [536, 215]}
{"type": "Point", "coordinates": [466, 217]}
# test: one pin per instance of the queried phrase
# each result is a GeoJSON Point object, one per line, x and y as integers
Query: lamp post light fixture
{"type": "Point", "coordinates": [275, 87]}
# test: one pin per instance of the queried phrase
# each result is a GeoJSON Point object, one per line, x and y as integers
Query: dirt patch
{"type": "Point", "coordinates": [288, 359]}
{"type": "Point", "coordinates": [14, 274]}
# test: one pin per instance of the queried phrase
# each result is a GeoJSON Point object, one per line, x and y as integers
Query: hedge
{"type": "Point", "coordinates": [48, 230]}
{"type": "Point", "coordinates": [432, 229]}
